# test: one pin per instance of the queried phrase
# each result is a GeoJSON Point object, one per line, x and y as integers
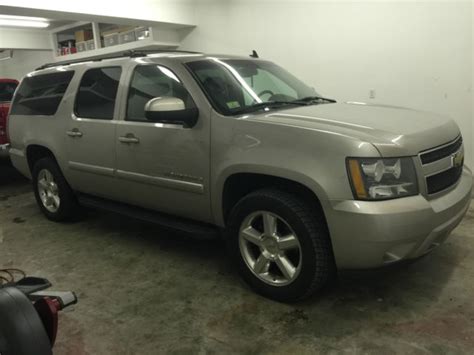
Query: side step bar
{"type": "Point", "coordinates": [196, 229]}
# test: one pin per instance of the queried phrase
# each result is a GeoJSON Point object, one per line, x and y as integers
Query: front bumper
{"type": "Point", "coordinates": [369, 234]}
{"type": "Point", "coordinates": [4, 151]}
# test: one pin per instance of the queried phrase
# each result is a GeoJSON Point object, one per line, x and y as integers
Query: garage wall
{"type": "Point", "coordinates": [412, 53]}
{"type": "Point", "coordinates": [23, 62]}
{"type": "Point", "coordinates": [176, 11]}
{"type": "Point", "coordinates": [22, 38]}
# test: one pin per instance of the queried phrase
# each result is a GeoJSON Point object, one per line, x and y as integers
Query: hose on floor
{"type": "Point", "coordinates": [10, 275]}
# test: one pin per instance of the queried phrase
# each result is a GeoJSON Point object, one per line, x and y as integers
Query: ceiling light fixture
{"type": "Point", "coordinates": [23, 21]}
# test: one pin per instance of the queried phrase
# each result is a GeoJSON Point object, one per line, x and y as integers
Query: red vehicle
{"type": "Point", "coordinates": [7, 89]}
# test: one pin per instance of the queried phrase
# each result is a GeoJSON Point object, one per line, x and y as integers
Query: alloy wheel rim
{"type": "Point", "coordinates": [270, 248]}
{"type": "Point", "coordinates": [48, 191]}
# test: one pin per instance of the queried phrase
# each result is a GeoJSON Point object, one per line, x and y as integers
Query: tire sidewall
{"type": "Point", "coordinates": [64, 191]}
{"type": "Point", "coordinates": [303, 281]}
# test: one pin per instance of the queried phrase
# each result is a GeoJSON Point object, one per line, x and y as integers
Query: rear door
{"type": "Point", "coordinates": [90, 135]}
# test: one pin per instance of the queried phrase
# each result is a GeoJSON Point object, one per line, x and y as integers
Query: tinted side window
{"type": "Point", "coordinates": [6, 91]}
{"type": "Point", "coordinates": [150, 81]}
{"type": "Point", "coordinates": [221, 86]}
{"type": "Point", "coordinates": [41, 94]}
{"type": "Point", "coordinates": [97, 93]}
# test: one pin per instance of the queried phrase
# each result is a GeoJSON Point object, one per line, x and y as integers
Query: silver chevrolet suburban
{"type": "Point", "coordinates": [300, 184]}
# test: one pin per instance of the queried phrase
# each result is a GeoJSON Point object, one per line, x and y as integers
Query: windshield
{"type": "Point", "coordinates": [244, 85]}
{"type": "Point", "coordinates": [7, 90]}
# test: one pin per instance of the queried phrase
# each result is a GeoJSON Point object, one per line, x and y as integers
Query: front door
{"type": "Point", "coordinates": [163, 166]}
{"type": "Point", "coordinates": [90, 134]}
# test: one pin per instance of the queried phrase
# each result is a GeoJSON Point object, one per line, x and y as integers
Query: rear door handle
{"type": "Point", "coordinates": [74, 133]}
{"type": "Point", "coordinates": [129, 138]}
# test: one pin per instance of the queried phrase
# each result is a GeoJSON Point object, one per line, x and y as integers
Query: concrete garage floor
{"type": "Point", "coordinates": [143, 290]}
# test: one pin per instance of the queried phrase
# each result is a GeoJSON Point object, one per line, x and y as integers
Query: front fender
{"type": "Point", "coordinates": [278, 172]}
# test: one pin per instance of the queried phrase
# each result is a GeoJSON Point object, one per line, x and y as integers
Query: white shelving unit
{"type": "Point", "coordinates": [164, 36]}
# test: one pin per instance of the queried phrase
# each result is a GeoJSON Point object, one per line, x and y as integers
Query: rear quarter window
{"type": "Point", "coordinates": [41, 94]}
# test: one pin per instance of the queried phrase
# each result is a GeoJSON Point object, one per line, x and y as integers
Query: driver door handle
{"type": "Point", "coordinates": [129, 138]}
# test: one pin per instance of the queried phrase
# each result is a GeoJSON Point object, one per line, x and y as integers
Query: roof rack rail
{"type": "Point", "coordinates": [130, 53]}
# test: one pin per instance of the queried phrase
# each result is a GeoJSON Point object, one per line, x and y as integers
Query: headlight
{"type": "Point", "coordinates": [382, 179]}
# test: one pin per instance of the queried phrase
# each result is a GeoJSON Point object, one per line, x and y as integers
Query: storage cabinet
{"type": "Point", "coordinates": [88, 39]}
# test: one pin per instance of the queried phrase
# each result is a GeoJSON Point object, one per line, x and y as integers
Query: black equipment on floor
{"type": "Point", "coordinates": [29, 315]}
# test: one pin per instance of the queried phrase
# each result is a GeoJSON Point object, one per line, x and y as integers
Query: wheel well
{"type": "Point", "coordinates": [37, 152]}
{"type": "Point", "coordinates": [241, 184]}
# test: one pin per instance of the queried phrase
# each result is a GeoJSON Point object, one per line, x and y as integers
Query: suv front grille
{"type": "Point", "coordinates": [442, 181]}
{"type": "Point", "coordinates": [452, 156]}
{"type": "Point", "coordinates": [437, 154]}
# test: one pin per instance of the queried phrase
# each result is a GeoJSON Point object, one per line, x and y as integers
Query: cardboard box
{"type": "Point", "coordinates": [125, 28]}
{"type": "Point", "coordinates": [83, 35]}
{"type": "Point", "coordinates": [109, 32]}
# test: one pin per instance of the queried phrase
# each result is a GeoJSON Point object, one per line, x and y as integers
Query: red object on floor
{"type": "Point", "coordinates": [48, 309]}
{"type": "Point", "coordinates": [7, 88]}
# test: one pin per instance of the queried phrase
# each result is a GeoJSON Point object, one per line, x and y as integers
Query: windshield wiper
{"type": "Point", "coordinates": [310, 99]}
{"type": "Point", "coordinates": [269, 104]}
{"type": "Point", "coordinates": [275, 104]}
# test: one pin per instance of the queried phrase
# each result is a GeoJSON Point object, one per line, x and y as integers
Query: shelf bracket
{"type": "Point", "coordinates": [96, 35]}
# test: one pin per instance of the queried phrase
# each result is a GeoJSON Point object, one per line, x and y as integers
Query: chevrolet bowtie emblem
{"type": "Point", "coordinates": [458, 159]}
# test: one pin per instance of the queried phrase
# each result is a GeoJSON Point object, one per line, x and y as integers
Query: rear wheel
{"type": "Point", "coordinates": [281, 245]}
{"type": "Point", "coordinates": [53, 194]}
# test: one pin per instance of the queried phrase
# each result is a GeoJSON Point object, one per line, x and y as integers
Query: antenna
{"type": "Point", "coordinates": [254, 54]}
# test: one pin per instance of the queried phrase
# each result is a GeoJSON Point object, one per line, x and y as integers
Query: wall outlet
{"type": "Point", "coordinates": [372, 93]}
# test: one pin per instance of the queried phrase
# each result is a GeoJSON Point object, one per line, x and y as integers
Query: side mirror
{"type": "Point", "coordinates": [171, 110]}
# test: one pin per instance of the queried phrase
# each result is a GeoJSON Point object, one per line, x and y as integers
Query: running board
{"type": "Point", "coordinates": [196, 229]}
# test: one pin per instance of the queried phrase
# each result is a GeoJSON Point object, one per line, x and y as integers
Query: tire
{"type": "Point", "coordinates": [21, 330]}
{"type": "Point", "coordinates": [67, 206]}
{"type": "Point", "coordinates": [286, 277]}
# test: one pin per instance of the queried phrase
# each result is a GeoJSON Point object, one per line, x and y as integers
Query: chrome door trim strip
{"type": "Point", "coordinates": [94, 169]}
{"type": "Point", "coordinates": [163, 182]}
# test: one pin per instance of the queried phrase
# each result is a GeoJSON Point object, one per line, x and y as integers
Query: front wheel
{"type": "Point", "coordinates": [281, 245]}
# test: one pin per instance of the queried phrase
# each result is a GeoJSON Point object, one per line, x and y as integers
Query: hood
{"type": "Point", "coordinates": [394, 131]}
